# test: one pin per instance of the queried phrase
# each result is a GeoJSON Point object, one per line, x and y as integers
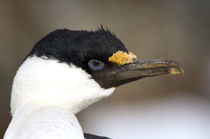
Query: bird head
{"type": "Point", "coordinates": [74, 69]}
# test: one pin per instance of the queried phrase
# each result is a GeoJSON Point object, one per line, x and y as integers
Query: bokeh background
{"type": "Point", "coordinates": [175, 107]}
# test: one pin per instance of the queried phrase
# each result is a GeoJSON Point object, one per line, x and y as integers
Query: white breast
{"type": "Point", "coordinates": [32, 121]}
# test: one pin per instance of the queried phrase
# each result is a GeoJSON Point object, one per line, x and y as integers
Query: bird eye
{"type": "Point", "coordinates": [95, 65]}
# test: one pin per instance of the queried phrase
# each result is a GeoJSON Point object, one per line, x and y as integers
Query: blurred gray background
{"type": "Point", "coordinates": [175, 107]}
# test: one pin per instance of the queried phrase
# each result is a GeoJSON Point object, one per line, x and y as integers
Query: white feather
{"type": "Point", "coordinates": [35, 121]}
{"type": "Point", "coordinates": [45, 95]}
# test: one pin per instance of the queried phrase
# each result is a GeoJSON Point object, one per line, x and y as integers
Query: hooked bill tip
{"type": "Point", "coordinates": [176, 70]}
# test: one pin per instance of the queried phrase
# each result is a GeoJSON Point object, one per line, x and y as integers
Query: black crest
{"type": "Point", "coordinates": [78, 47]}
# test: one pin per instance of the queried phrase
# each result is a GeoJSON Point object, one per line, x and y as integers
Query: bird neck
{"type": "Point", "coordinates": [32, 106]}
{"type": "Point", "coordinates": [37, 117]}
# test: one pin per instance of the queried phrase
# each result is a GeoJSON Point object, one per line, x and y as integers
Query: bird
{"type": "Point", "coordinates": [64, 73]}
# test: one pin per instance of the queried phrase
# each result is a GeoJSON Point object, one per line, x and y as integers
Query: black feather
{"type": "Point", "coordinates": [91, 136]}
{"type": "Point", "coordinates": [78, 47]}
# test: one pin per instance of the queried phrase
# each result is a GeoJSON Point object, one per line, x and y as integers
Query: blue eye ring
{"type": "Point", "coordinates": [95, 64]}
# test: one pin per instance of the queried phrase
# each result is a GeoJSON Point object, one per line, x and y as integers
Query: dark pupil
{"type": "Point", "coordinates": [95, 63]}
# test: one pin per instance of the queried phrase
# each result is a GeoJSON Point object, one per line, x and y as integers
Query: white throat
{"type": "Point", "coordinates": [52, 83]}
